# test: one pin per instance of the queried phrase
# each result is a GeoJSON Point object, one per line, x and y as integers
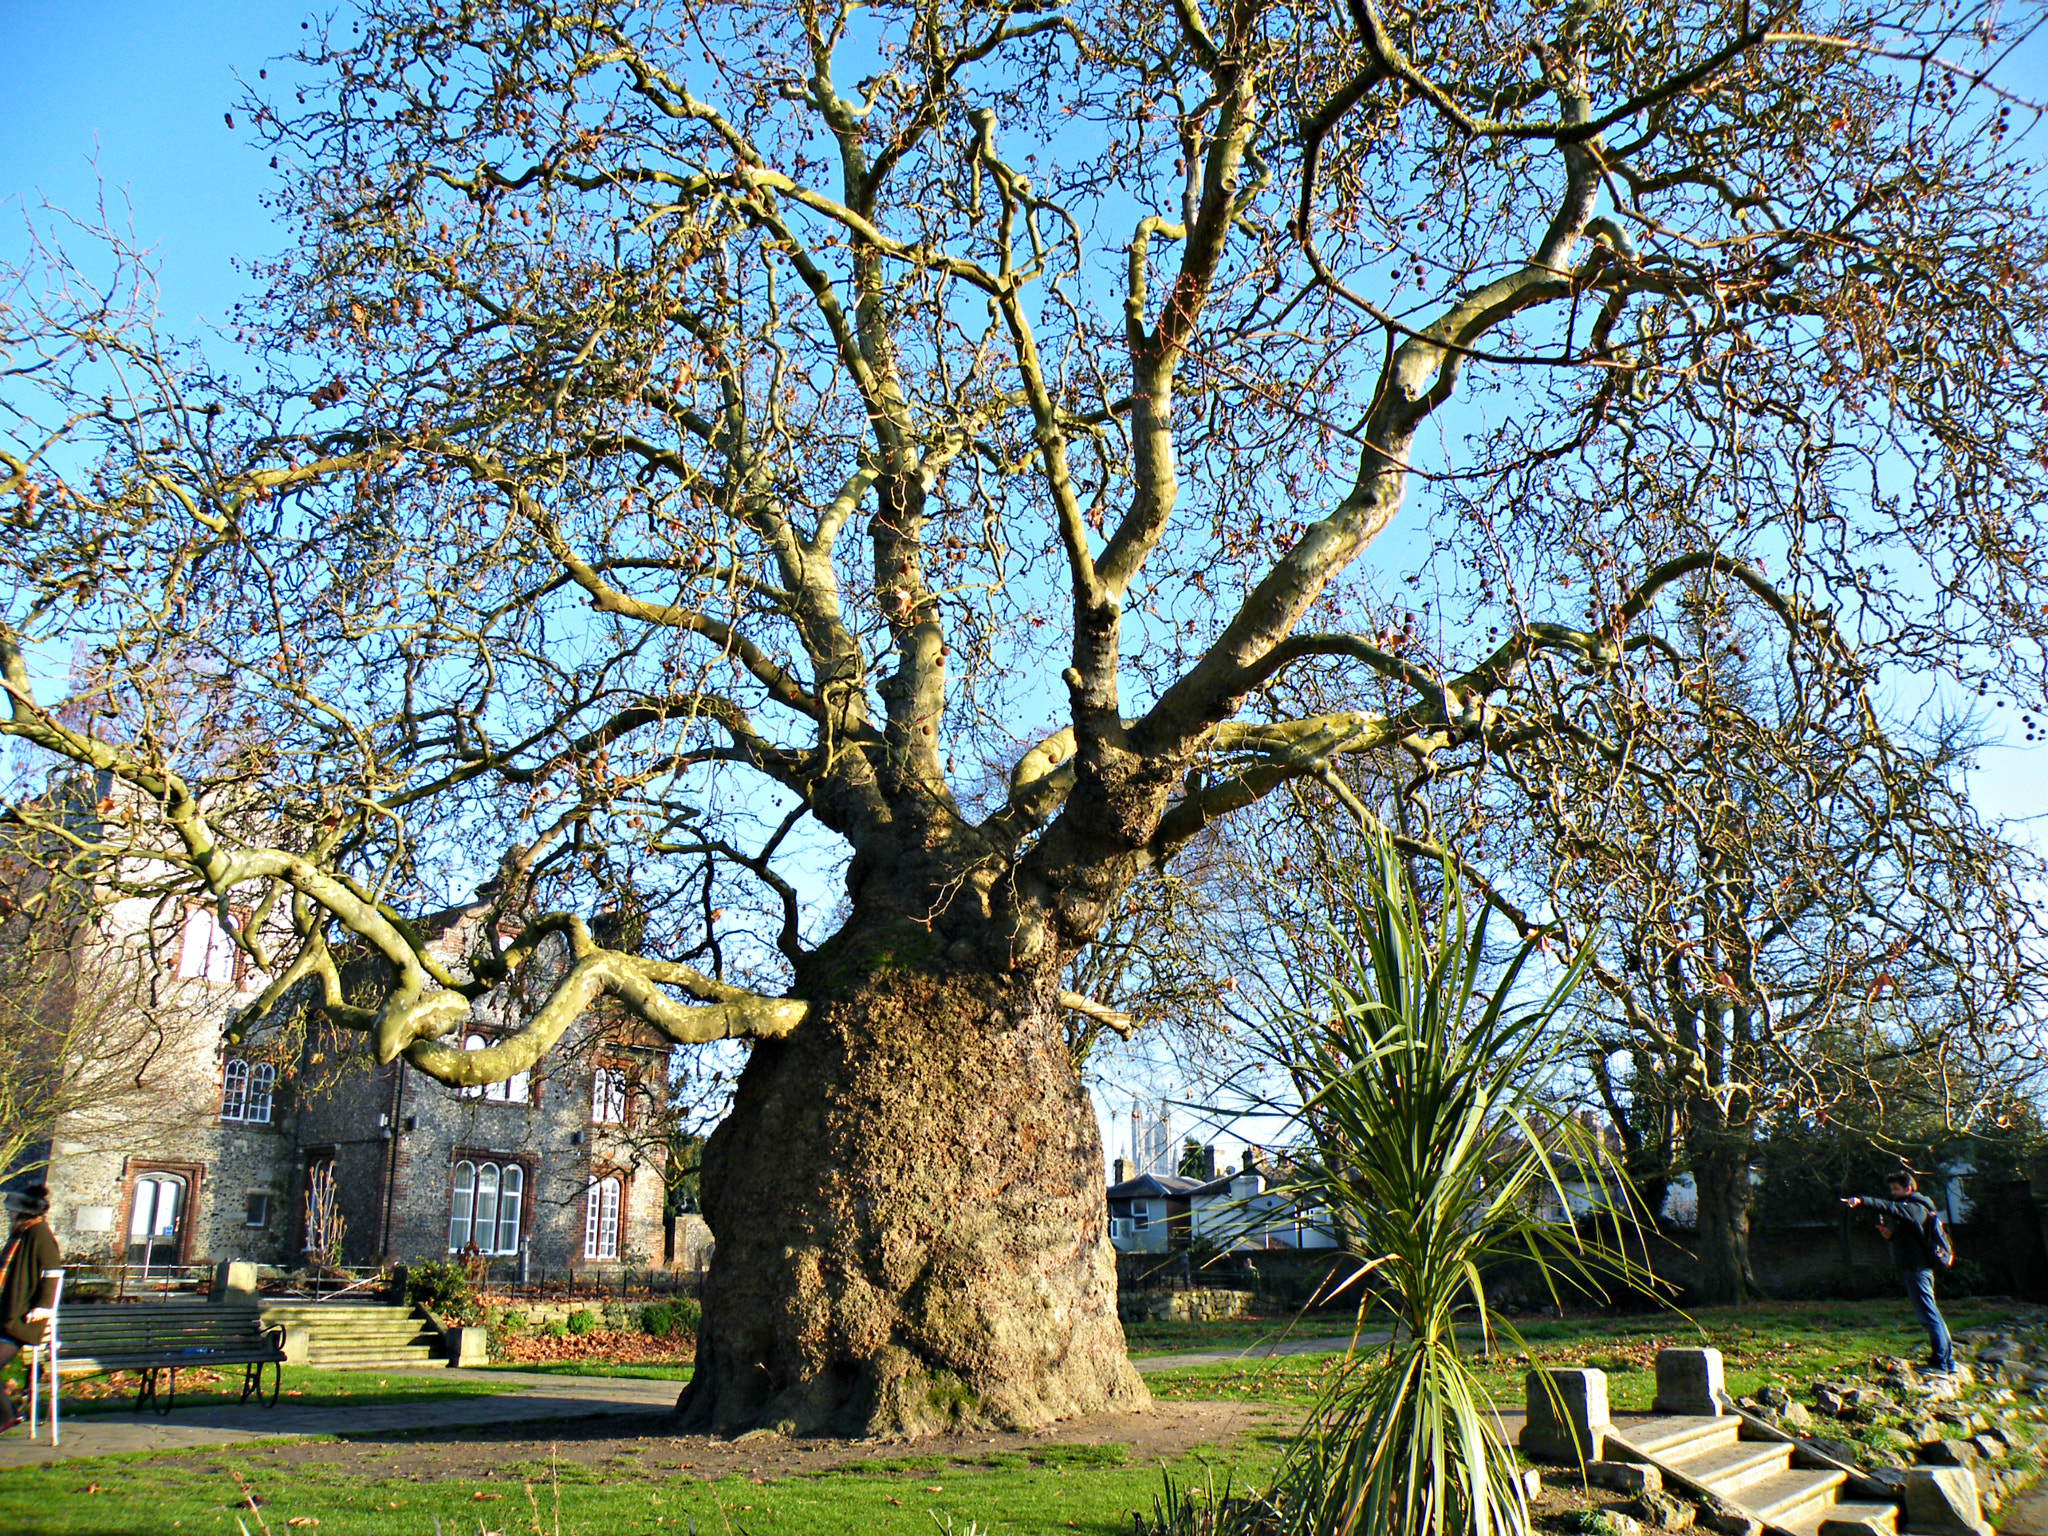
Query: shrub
{"type": "Point", "coordinates": [1427, 1092]}
{"type": "Point", "coordinates": [582, 1321]}
{"type": "Point", "coordinates": [442, 1288]}
{"type": "Point", "coordinates": [553, 1329]}
{"type": "Point", "coordinates": [671, 1319]}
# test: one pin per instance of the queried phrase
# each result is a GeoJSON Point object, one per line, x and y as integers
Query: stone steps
{"type": "Point", "coordinates": [361, 1337]}
{"type": "Point", "coordinates": [1787, 1487]}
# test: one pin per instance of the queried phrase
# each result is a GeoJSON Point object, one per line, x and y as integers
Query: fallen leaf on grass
{"type": "Point", "coordinates": [90, 1488]}
{"type": "Point", "coordinates": [302, 1520]}
{"type": "Point", "coordinates": [935, 1488]}
{"type": "Point", "coordinates": [897, 1502]}
{"type": "Point", "coordinates": [480, 1497]}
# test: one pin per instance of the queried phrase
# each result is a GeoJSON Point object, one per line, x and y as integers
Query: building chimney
{"type": "Point", "coordinates": [1117, 1176]}
{"type": "Point", "coordinates": [1209, 1161]}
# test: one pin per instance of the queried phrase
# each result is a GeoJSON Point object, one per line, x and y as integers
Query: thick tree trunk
{"type": "Point", "coordinates": [1720, 1167]}
{"type": "Point", "coordinates": [908, 1205]}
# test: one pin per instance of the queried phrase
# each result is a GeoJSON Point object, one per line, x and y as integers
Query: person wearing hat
{"type": "Point", "coordinates": [24, 1294]}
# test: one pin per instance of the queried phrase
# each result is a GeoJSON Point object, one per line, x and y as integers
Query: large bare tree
{"type": "Point", "coordinates": [739, 431]}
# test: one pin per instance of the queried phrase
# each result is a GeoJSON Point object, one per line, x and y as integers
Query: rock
{"type": "Point", "coordinates": [1625, 1476]}
{"type": "Point", "coordinates": [1775, 1396]}
{"type": "Point", "coordinates": [1658, 1508]}
{"type": "Point", "coordinates": [1796, 1417]}
{"type": "Point", "coordinates": [1942, 1501]}
{"type": "Point", "coordinates": [1834, 1450]}
{"type": "Point", "coordinates": [1949, 1453]}
{"type": "Point", "coordinates": [1922, 1430]}
{"type": "Point", "coordinates": [1990, 1447]}
{"type": "Point", "coordinates": [1866, 1403]}
{"type": "Point", "coordinates": [1828, 1398]}
{"type": "Point", "coordinates": [1729, 1521]}
{"type": "Point", "coordinates": [1532, 1482]}
{"type": "Point", "coordinates": [1891, 1440]}
{"type": "Point", "coordinates": [1862, 1526]}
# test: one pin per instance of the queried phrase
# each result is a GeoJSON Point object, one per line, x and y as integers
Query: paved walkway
{"type": "Point", "coordinates": [528, 1397]}
{"type": "Point", "coordinates": [531, 1397]}
{"type": "Point", "coordinates": [1146, 1364]}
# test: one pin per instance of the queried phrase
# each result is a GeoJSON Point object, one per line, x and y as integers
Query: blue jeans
{"type": "Point", "coordinates": [1920, 1291]}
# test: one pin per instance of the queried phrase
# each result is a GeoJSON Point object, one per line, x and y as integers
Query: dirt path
{"type": "Point", "coordinates": [516, 1451]}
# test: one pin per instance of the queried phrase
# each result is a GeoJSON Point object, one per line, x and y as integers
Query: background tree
{"type": "Point", "coordinates": [733, 432]}
{"type": "Point", "coordinates": [1763, 861]}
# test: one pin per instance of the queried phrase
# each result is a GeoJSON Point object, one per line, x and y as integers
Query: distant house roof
{"type": "Point", "coordinates": [1171, 1186]}
{"type": "Point", "coordinates": [1155, 1185]}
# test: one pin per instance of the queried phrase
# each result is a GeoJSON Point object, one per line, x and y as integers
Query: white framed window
{"type": "Point", "coordinates": [247, 1090]}
{"type": "Point", "coordinates": [205, 949]}
{"type": "Point", "coordinates": [234, 1089]}
{"type": "Point", "coordinates": [484, 1207]}
{"type": "Point", "coordinates": [156, 1219]}
{"type": "Point", "coordinates": [461, 1204]}
{"type": "Point", "coordinates": [1141, 1215]}
{"type": "Point", "coordinates": [257, 1212]}
{"type": "Point", "coordinates": [511, 1186]}
{"type": "Point", "coordinates": [516, 1089]}
{"type": "Point", "coordinates": [601, 1218]}
{"type": "Point", "coordinates": [262, 1085]}
{"type": "Point", "coordinates": [608, 1096]}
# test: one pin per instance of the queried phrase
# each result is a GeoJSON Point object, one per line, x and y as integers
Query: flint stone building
{"type": "Point", "coordinates": [213, 1150]}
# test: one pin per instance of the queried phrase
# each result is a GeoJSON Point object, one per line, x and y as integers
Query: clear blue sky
{"type": "Point", "coordinates": [128, 98]}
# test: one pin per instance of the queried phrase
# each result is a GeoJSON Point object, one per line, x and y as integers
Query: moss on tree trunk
{"type": "Point", "coordinates": [908, 1205]}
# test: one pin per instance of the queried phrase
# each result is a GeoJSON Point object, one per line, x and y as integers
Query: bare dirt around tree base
{"type": "Point", "coordinates": [649, 1447]}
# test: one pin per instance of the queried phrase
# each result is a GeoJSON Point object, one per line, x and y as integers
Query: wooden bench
{"type": "Point", "coordinates": [165, 1338]}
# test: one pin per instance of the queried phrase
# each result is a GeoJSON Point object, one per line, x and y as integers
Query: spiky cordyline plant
{"type": "Point", "coordinates": [1423, 1096]}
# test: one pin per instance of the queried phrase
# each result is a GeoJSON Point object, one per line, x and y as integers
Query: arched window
{"type": "Point", "coordinates": [156, 1220]}
{"type": "Point", "coordinates": [485, 1233]}
{"type": "Point", "coordinates": [234, 1090]}
{"type": "Point", "coordinates": [608, 1096]}
{"type": "Point", "coordinates": [262, 1079]}
{"type": "Point", "coordinates": [509, 1191]}
{"type": "Point", "coordinates": [601, 1218]}
{"type": "Point", "coordinates": [485, 1206]}
{"type": "Point", "coordinates": [461, 1205]}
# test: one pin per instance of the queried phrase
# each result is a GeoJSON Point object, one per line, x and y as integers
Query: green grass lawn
{"type": "Point", "coordinates": [1049, 1489]}
{"type": "Point", "coordinates": [1063, 1489]}
{"type": "Point", "coordinates": [1793, 1342]}
{"type": "Point", "coordinates": [303, 1386]}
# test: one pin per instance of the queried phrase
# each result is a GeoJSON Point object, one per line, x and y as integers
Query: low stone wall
{"type": "Point", "coordinates": [1182, 1306]}
{"type": "Point", "coordinates": [622, 1316]}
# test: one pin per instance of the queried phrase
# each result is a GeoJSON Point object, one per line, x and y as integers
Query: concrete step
{"type": "Point", "coordinates": [306, 1312]}
{"type": "Point", "coordinates": [404, 1328]}
{"type": "Point", "coordinates": [334, 1358]}
{"type": "Point", "coordinates": [410, 1363]}
{"type": "Point", "coordinates": [1851, 1518]}
{"type": "Point", "coordinates": [1786, 1498]}
{"type": "Point", "coordinates": [396, 1349]}
{"type": "Point", "coordinates": [1731, 1467]}
{"type": "Point", "coordinates": [1677, 1438]}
